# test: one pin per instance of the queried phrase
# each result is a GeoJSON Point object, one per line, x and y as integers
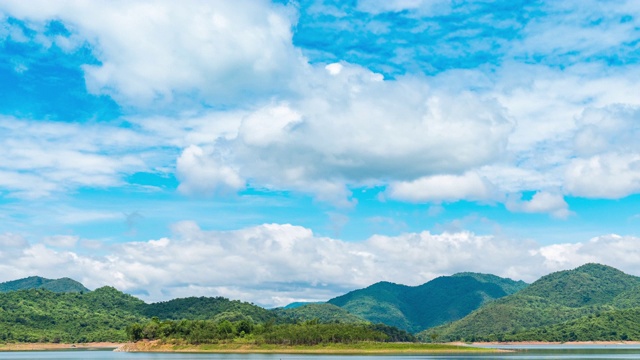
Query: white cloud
{"type": "Point", "coordinates": [608, 176]}
{"type": "Point", "coordinates": [423, 7]}
{"type": "Point", "coordinates": [541, 202]}
{"type": "Point", "coordinates": [273, 264]}
{"type": "Point", "coordinates": [9, 240]}
{"type": "Point", "coordinates": [324, 128]}
{"type": "Point", "coordinates": [42, 158]}
{"type": "Point", "coordinates": [61, 241]}
{"type": "Point", "coordinates": [199, 173]}
{"type": "Point", "coordinates": [444, 188]}
{"type": "Point", "coordinates": [220, 52]}
{"type": "Point", "coordinates": [353, 128]}
{"type": "Point", "coordinates": [622, 252]}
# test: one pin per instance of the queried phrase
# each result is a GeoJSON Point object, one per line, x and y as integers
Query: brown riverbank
{"type": "Point", "coordinates": [359, 348]}
{"type": "Point", "coordinates": [59, 346]}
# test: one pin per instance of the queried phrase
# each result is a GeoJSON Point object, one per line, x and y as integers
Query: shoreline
{"type": "Point", "coordinates": [59, 346]}
{"type": "Point", "coordinates": [548, 343]}
{"type": "Point", "coordinates": [346, 349]}
{"type": "Point", "coordinates": [352, 349]}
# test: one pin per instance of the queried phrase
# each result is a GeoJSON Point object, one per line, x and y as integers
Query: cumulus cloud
{"type": "Point", "coordinates": [353, 128]}
{"type": "Point", "coordinates": [541, 202]}
{"type": "Point", "coordinates": [159, 50]}
{"type": "Point", "coordinates": [248, 108]}
{"type": "Point", "coordinates": [621, 252]}
{"type": "Point", "coordinates": [608, 176]}
{"type": "Point", "coordinates": [444, 188]}
{"type": "Point", "coordinates": [199, 173]}
{"type": "Point", "coordinates": [273, 264]}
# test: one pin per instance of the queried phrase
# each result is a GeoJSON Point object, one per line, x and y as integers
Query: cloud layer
{"type": "Point", "coordinates": [274, 264]}
{"type": "Point", "coordinates": [275, 120]}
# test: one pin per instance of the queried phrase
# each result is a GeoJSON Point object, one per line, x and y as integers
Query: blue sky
{"type": "Point", "coordinates": [294, 150]}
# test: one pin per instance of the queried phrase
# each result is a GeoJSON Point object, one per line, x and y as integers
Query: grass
{"type": "Point", "coordinates": [356, 348]}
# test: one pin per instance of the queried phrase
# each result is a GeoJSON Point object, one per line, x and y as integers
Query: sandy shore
{"type": "Point", "coordinates": [51, 346]}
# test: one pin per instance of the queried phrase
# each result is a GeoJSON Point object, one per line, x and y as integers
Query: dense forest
{"type": "Point", "coordinates": [325, 313]}
{"type": "Point", "coordinates": [106, 314]}
{"type": "Point", "coordinates": [591, 302]}
{"type": "Point", "coordinates": [303, 333]}
{"type": "Point", "coordinates": [439, 301]}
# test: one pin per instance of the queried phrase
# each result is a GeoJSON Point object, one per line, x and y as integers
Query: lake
{"type": "Point", "coordinates": [559, 352]}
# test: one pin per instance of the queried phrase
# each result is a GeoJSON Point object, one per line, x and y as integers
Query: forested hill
{"type": "Point", "coordinates": [63, 285]}
{"type": "Point", "coordinates": [567, 305]}
{"type": "Point", "coordinates": [39, 315]}
{"type": "Point", "coordinates": [436, 302]}
{"type": "Point", "coordinates": [207, 308]}
{"type": "Point", "coordinates": [591, 302]}
{"type": "Point", "coordinates": [323, 312]}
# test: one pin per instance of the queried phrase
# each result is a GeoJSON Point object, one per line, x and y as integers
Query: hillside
{"type": "Point", "coordinates": [63, 285]}
{"type": "Point", "coordinates": [39, 315]}
{"type": "Point", "coordinates": [613, 325]}
{"type": "Point", "coordinates": [554, 299]}
{"type": "Point", "coordinates": [207, 308]}
{"type": "Point", "coordinates": [436, 302]}
{"type": "Point", "coordinates": [324, 313]}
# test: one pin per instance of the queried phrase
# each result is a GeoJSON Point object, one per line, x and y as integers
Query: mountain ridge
{"type": "Point", "coordinates": [557, 298]}
{"type": "Point", "coordinates": [415, 308]}
{"type": "Point", "coordinates": [62, 285]}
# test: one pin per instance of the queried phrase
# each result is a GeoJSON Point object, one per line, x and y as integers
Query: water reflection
{"type": "Point", "coordinates": [548, 352]}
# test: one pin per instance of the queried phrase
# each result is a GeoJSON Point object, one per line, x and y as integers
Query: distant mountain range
{"type": "Point", "coordinates": [562, 306]}
{"type": "Point", "coordinates": [439, 301]}
{"type": "Point", "coordinates": [63, 285]}
{"type": "Point", "coordinates": [591, 302]}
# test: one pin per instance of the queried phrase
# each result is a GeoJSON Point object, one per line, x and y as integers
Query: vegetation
{"type": "Point", "coordinates": [614, 325]}
{"type": "Point", "coordinates": [439, 301]}
{"type": "Point", "coordinates": [244, 346]}
{"type": "Point", "coordinates": [107, 314]}
{"type": "Point", "coordinates": [592, 302]}
{"type": "Point", "coordinates": [557, 302]}
{"type": "Point", "coordinates": [62, 285]}
{"type": "Point", "coordinates": [44, 316]}
{"type": "Point", "coordinates": [324, 313]}
{"type": "Point", "coordinates": [205, 308]}
{"type": "Point", "coordinates": [307, 333]}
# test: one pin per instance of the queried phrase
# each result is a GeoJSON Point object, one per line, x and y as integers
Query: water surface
{"type": "Point", "coordinates": [549, 352]}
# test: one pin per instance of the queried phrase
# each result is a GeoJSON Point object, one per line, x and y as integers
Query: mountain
{"type": "Point", "coordinates": [40, 315]}
{"type": "Point", "coordinates": [324, 313]}
{"type": "Point", "coordinates": [207, 308]}
{"type": "Point", "coordinates": [441, 300]}
{"type": "Point", "coordinates": [63, 285]}
{"type": "Point", "coordinates": [554, 299]}
{"type": "Point", "coordinates": [296, 304]}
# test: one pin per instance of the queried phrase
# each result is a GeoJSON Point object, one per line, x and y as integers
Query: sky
{"type": "Point", "coordinates": [287, 151]}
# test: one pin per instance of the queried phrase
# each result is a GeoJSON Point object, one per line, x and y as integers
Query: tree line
{"type": "Point", "coordinates": [310, 332]}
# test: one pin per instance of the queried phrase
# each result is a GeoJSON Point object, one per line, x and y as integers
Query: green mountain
{"type": "Point", "coordinates": [296, 304]}
{"type": "Point", "coordinates": [549, 304]}
{"type": "Point", "coordinates": [39, 315]}
{"type": "Point", "coordinates": [63, 285]}
{"type": "Point", "coordinates": [207, 308]}
{"type": "Point", "coordinates": [324, 313]}
{"type": "Point", "coordinates": [436, 302]}
{"type": "Point", "coordinates": [613, 325]}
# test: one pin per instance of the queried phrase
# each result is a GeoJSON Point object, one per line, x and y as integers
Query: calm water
{"type": "Point", "coordinates": [525, 353]}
